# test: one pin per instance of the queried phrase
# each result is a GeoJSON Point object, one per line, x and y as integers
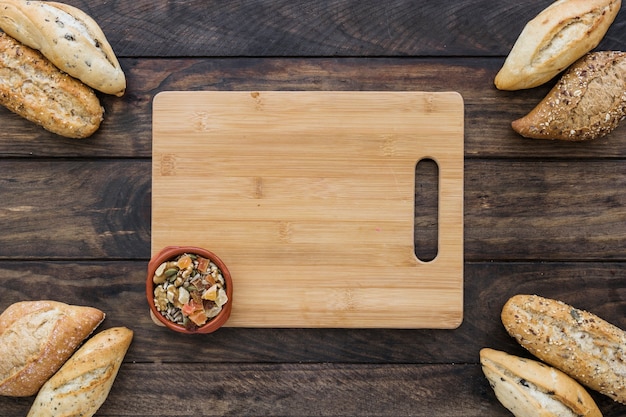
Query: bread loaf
{"type": "Point", "coordinates": [82, 385]}
{"type": "Point", "coordinates": [530, 388]}
{"type": "Point", "coordinates": [36, 338]}
{"type": "Point", "coordinates": [68, 37]}
{"type": "Point", "coordinates": [38, 91]}
{"type": "Point", "coordinates": [577, 342]}
{"type": "Point", "coordinates": [554, 39]}
{"type": "Point", "coordinates": [587, 103]}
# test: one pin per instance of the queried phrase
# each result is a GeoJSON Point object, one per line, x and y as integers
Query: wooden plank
{"type": "Point", "coordinates": [117, 288]}
{"type": "Point", "coordinates": [80, 209]}
{"type": "Point", "coordinates": [300, 390]}
{"type": "Point", "coordinates": [299, 164]}
{"type": "Point", "coordinates": [317, 28]}
{"type": "Point", "coordinates": [525, 210]}
{"type": "Point", "coordinates": [126, 131]}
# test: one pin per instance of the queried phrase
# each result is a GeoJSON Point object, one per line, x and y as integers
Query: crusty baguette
{"type": "Point", "coordinates": [68, 37]}
{"type": "Point", "coordinates": [82, 385]}
{"type": "Point", "coordinates": [554, 39]}
{"type": "Point", "coordinates": [577, 342]}
{"type": "Point", "coordinates": [587, 103]}
{"type": "Point", "coordinates": [530, 388]}
{"type": "Point", "coordinates": [38, 91]}
{"type": "Point", "coordinates": [36, 338]}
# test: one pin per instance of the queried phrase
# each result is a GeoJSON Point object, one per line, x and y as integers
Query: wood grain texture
{"type": "Point", "coordinates": [311, 194]}
{"type": "Point", "coordinates": [513, 211]}
{"type": "Point", "coordinates": [126, 130]}
{"type": "Point", "coordinates": [317, 28]}
{"type": "Point", "coordinates": [540, 217]}
{"type": "Point", "coordinates": [117, 287]}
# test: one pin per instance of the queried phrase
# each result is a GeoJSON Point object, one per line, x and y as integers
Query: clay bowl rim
{"type": "Point", "coordinates": [170, 252]}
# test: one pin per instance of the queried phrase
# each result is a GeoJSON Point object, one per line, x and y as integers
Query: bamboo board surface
{"type": "Point", "coordinates": [308, 197]}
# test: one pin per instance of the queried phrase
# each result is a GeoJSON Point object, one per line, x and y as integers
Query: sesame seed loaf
{"type": "Point", "coordinates": [36, 338]}
{"type": "Point", "coordinates": [68, 37]}
{"type": "Point", "coordinates": [83, 383]}
{"type": "Point", "coordinates": [33, 88]}
{"type": "Point", "coordinates": [554, 39]}
{"type": "Point", "coordinates": [577, 342]}
{"type": "Point", "coordinates": [530, 388]}
{"type": "Point", "coordinates": [588, 102]}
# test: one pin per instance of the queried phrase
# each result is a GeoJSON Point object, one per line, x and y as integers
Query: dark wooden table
{"type": "Point", "coordinates": [540, 217]}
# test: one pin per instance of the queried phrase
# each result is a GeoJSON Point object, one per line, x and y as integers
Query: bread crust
{"type": "Point", "coordinates": [36, 338]}
{"type": "Point", "coordinates": [530, 388]}
{"type": "Point", "coordinates": [83, 383]}
{"type": "Point", "coordinates": [558, 36]}
{"type": "Point", "coordinates": [587, 103]}
{"type": "Point", "coordinates": [577, 342]}
{"type": "Point", "coordinates": [69, 38]}
{"type": "Point", "coordinates": [33, 88]}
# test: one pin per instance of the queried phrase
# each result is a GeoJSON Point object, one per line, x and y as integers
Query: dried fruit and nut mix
{"type": "Point", "coordinates": [189, 290]}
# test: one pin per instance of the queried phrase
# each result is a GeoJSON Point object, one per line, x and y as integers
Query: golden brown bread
{"type": "Point", "coordinates": [530, 388]}
{"type": "Point", "coordinates": [577, 342]}
{"type": "Point", "coordinates": [82, 385]}
{"type": "Point", "coordinates": [38, 91]}
{"type": "Point", "coordinates": [554, 39]}
{"type": "Point", "coordinates": [36, 338]}
{"type": "Point", "coordinates": [68, 37]}
{"type": "Point", "coordinates": [587, 103]}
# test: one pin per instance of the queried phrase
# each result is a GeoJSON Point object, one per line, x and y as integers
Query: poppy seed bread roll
{"type": "Point", "coordinates": [579, 343]}
{"type": "Point", "coordinates": [530, 388]}
{"type": "Point", "coordinates": [68, 37]}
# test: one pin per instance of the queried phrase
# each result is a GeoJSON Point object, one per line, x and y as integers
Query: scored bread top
{"type": "Point", "coordinates": [83, 383]}
{"type": "Point", "coordinates": [554, 39]}
{"type": "Point", "coordinates": [36, 338]}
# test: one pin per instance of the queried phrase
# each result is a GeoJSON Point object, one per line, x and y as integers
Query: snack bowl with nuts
{"type": "Point", "coordinates": [189, 290]}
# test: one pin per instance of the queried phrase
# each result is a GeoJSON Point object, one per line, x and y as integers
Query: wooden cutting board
{"type": "Point", "coordinates": [308, 197]}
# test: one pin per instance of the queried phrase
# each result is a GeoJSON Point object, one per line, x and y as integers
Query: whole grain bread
{"type": "Point", "coordinates": [579, 343]}
{"type": "Point", "coordinates": [530, 388]}
{"type": "Point", "coordinates": [587, 103]}
{"type": "Point", "coordinates": [33, 88]}
{"type": "Point", "coordinates": [36, 338]}
{"type": "Point", "coordinates": [68, 37]}
{"type": "Point", "coordinates": [558, 36]}
{"type": "Point", "coordinates": [83, 383]}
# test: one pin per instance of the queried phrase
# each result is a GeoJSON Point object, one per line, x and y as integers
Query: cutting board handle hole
{"type": "Point", "coordinates": [426, 224]}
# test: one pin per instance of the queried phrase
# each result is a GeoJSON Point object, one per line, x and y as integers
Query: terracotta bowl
{"type": "Point", "coordinates": [170, 253]}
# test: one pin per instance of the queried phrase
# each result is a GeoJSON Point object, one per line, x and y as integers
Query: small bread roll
{"type": "Point", "coordinates": [82, 385]}
{"type": "Point", "coordinates": [528, 388]}
{"type": "Point", "coordinates": [33, 88]}
{"type": "Point", "coordinates": [577, 342]}
{"type": "Point", "coordinates": [552, 41]}
{"type": "Point", "coordinates": [587, 103]}
{"type": "Point", "coordinates": [68, 37]}
{"type": "Point", "coordinates": [36, 338]}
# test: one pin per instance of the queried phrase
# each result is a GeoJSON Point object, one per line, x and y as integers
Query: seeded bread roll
{"type": "Point", "coordinates": [577, 342]}
{"type": "Point", "coordinates": [38, 91]}
{"type": "Point", "coordinates": [552, 41]}
{"type": "Point", "coordinates": [68, 37]}
{"type": "Point", "coordinates": [36, 338]}
{"type": "Point", "coordinates": [587, 103]}
{"type": "Point", "coordinates": [530, 388]}
{"type": "Point", "coordinates": [82, 385]}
